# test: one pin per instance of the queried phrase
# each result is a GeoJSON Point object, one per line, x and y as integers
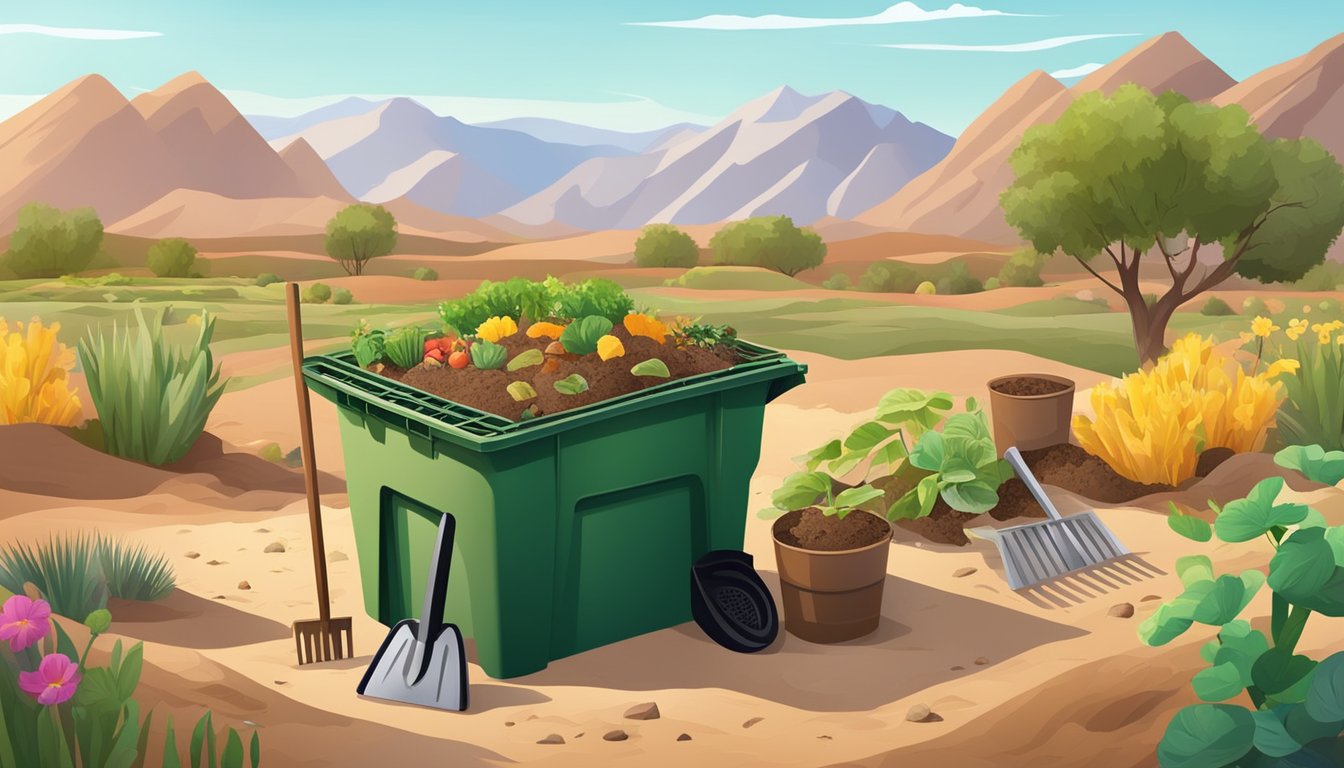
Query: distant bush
{"type": "Point", "coordinates": [837, 282]}
{"type": "Point", "coordinates": [1023, 269]}
{"type": "Point", "coordinates": [425, 273]}
{"type": "Point", "coordinates": [358, 233]}
{"type": "Point", "coordinates": [267, 278]}
{"type": "Point", "coordinates": [889, 277]}
{"type": "Point", "coordinates": [663, 245]}
{"type": "Point", "coordinates": [1326, 276]}
{"type": "Point", "coordinates": [113, 278]}
{"type": "Point", "coordinates": [1255, 307]}
{"type": "Point", "coordinates": [992, 284]}
{"type": "Point", "coordinates": [341, 296]}
{"type": "Point", "coordinates": [48, 242]}
{"type": "Point", "coordinates": [773, 242]}
{"type": "Point", "coordinates": [958, 280]}
{"type": "Point", "coordinates": [1216, 307]}
{"type": "Point", "coordinates": [171, 257]}
{"type": "Point", "coordinates": [317, 293]}
{"type": "Point", "coordinates": [926, 288]}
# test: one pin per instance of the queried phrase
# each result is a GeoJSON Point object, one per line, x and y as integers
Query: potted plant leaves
{"type": "Point", "coordinates": [1030, 410]}
{"type": "Point", "coordinates": [832, 558]}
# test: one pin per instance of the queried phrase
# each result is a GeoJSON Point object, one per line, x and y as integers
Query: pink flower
{"type": "Point", "coordinates": [54, 681]}
{"type": "Point", "coordinates": [24, 622]}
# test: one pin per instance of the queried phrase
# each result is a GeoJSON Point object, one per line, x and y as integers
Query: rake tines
{"type": "Point", "coordinates": [316, 640]}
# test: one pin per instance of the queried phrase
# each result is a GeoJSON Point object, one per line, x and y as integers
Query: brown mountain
{"type": "Point", "coordinates": [960, 195]}
{"type": "Point", "coordinates": [312, 170]}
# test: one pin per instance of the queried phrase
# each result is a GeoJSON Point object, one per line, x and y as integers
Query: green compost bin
{"type": "Point", "coordinates": [573, 530]}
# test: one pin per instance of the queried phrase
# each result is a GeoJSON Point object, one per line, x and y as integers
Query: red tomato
{"type": "Point", "coordinates": [459, 359]}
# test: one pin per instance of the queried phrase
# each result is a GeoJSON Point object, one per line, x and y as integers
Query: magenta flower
{"type": "Point", "coordinates": [24, 621]}
{"type": "Point", "coordinates": [54, 681]}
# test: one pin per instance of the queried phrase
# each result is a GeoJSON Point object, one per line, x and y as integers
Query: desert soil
{"type": "Point", "coordinates": [1039, 677]}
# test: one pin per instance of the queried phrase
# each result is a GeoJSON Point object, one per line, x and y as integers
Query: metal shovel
{"type": "Point", "coordinates": [423, 662]}
{"type": "Point", "coordinates": [1037, 552]}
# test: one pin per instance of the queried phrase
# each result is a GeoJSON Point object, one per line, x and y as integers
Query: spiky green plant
{"type": "Point", "coordinates": [133, 572]}
{"type": "Point", "coordinates": [65, 569]}
{"type": "Point", "coordinates": [152, 399]}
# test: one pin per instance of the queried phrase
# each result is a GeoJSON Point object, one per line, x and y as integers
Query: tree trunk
{"type": "Point", "coordinates": [1150, 325]}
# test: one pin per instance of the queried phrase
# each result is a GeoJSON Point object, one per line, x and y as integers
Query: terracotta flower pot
{"type": "Point", "coordinates": [834, 596]}
{"type": "Point", "coordinates": [1028, 415]}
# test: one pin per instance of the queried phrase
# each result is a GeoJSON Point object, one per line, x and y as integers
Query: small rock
{"type": "Point", "coordinates": [1121, 610]}
{"type": "Point", "coordinates": [508, 723]}
{"type": "Point", "coordinates": [981, 661]}
{"type": "Point", "coordinates": [918, 713]}
{"type": "Point", "coordinates": [684, 737]}
{"type": "Point", "coordinates": [616, 735]}
{"type": "Point", "coordinates": [218, 597]}
{"type": "Point", "coordinates": [192, 555]}
{"type": "Point", "coordinates": [1149, 598]}
{"type": "Point", "coordinates": [274, 547]}
{"type": "Point", "coordinates": [957, 668]}
{"type": "Point", "coordinates": [249, 724]}
{"type": "Point", "coordinates": [337, 556]}
{"type": "Point", "coordinates": [963, 572]}
{"type": "Point", "coordinates": [646, 711]}
{"type": "Point", "coordinates": [553, 738]}
{"type": "Point", "coordinates": [281, 682]}
{"type": "Point", "coordinates": [579, 735]}
{"type": "Point", "coordinates": [752, 722]}
{"type": "Point", "coordinates": [184, 530]}
{"type": "Point", "coordinates": [531, 717]}
{"type": "Point", "coordinates": [825, 737]}
{"type": "Point", "coordinates": [244, 585]}
{"type": "Point", "coordinates": [262, 530]}
{"type": "Point", "coordinates": [214, 562]}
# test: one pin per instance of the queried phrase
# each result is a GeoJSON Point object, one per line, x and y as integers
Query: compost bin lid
{"type": "Point", "coordinates": [731, 603]}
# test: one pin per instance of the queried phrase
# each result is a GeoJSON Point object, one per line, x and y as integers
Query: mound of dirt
{"type": "Point", "coordinates": [810, 529]}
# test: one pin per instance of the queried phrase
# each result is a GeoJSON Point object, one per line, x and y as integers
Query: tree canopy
{"type": "Point", "coordinates": [1135, 176]}
{"type": "Point", "coordinates": [358, 233]}
{"type": "Point", "coordinates": [772, 242]}
{"type": "Point", "coordinates": [48, 242]}
{"type": "Point", "coordinates": [663, 245]}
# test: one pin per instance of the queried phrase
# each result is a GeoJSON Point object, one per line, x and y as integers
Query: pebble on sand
{"type": "Point", "coordinates": [963, 572]}
{"type": "Point", "coordinates": [1121, 610]}
{"type": "Point", "coordinates": [274, 547]}
{"type": "Point", "coordinates": [646, 711]}
{"type": "Point", "coordinates": [553, 738]}
{"type": "Point", "coordinates": [616, 735]}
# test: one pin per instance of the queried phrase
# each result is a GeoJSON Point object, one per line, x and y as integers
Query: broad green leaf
{"type": "Point", "coordinates": [64, 645]}
{"type": "Point", "coordinates": [890, 453]}
{"type": "Point", "coordinates": [1305, 729]}
{"type": "Point", "coordinates": [1209, 651]}
{"type": "Point", "coordinates": [1194, 568]}
{"type": "Point", "coordinates": [198, 739]}
{"type": "Point", "coordinates": [170, 759]}
{"type": "Point", "coordinates": [1222, 603]}
{"type": "Point", "coordinates": [1325, 697]}
{"type": "Point", "coordinates": [846, 463]}
{"type": "Point", "coordinates": [254, 751]}
{"type": "Point", "coordinates": [867, 436]}
{"type": "Point", "coordinates": [853, 497]}
{"type": "Point", "coordinates": [972, 404]}
{"type": "Point", "coordinates": [1302, 566]}
{"type": "Point", "coordinates": [1271, 737]}
{"type": "Point", "coordinates": [1166, 624]}
{"type": "Point", "coordinates": [572, 384]}
{"type": "Point", "coordinates": [233, 751]}
{"type": "Point", "coordinates": [1254, 516]}
{"type": "Point", "coordinates": [526, 359]}
{"type": "Point", "coordinates": [905, 508]}
{"type": "Point", "coordinates": [97, 690]}
{"type": "Point", "coordinates": [1206, 735]}
{"type": "Point", "coordinates": [801, 490]}
{"type": "Point", "coordinates": [928, 453]}
{"type": "Point", "coordinates": [905, 403]}
{"type": "Point", "coordinates": [1335, 538]}
{"type": "Point", "coordinates": [651, 367]}
{"type": "Point", "coordinates": [521, 390]}
{"type": "Point", "coordinates": [1189, 526]}
{"type": "Point", "coordinates": [1313, 519]}
{"type": "Point", "coordinates": [815, 457]}
{"type": "Point", "coordinates": [128, 677]}
{"type": "Point", "coordinates": [957, 474]}
{"type": "Point", "coordinates": [1241, 650]}
{"type": "Point", "coordinates": [972, 497]}
{"type": "Point", "coordinates": [1218, 683]}
{"type": "Point", "coordinates": [1278, 670]}
{"type": "Point", "coordinates": [927, 492]}
{"type": "Point", "coordinates": [487, 355]}
{"type": "Point", "coordinates": [580, 337]}
{"type": "Point", "coordinates": [1313, 462]}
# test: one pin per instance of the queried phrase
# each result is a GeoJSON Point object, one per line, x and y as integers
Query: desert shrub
{"type": "Point", "coordinates": [1216, 307]}
{"type": "Point", "coordinates": [888, 277]}
{"type": "Point", "coordinates": [1326, 276]}
{"type": "Point", "coordinates": [1296, 713]}
{"type": "Point", "coordinates": [926, 288]}
{"type": "Point", "coordinates": [837, 282]}
{"type": "Point", "coordinates": [341, 295]}
{"type": "Point", "coordinates": [1254, 306]}
{"type": "Point", "coordinates": [1149, 426]}
{"type": "Point", "coordinates": [425, 273]}
{"type": "Point", "coordinates": [317, 293]}
{"type": "Point", "coordinates": [663, 245]}
{"type": "Point", "coordinates": [1023, 269]}
{"type": "Point", "coordinates": [1313, 411]}
{"type": "Point", "coordinates": [267, 278]}
{"type": "Point", "coordinates": [773, 242]}
{"type": "Point", "coordinates": [133, 572]}
{"type": "Point", "coordinates": [152, 398]}
{"type": "Point", "coordinates": [48, 242]}
{"type": "Point", "coordinates": [171, 257]}
{"type": "Point", "coordinates": [521, 298]}
{"type": "Point", "coordinates": [358, 233]}
{"type": "Point", "coordinates": [958, 281]}
{"type": "Point", "coordinates": [992, 284]}
{"type": "Point", "coordinates": [66, 570]}
{"type": "Point", "coordinates": [35, 376]}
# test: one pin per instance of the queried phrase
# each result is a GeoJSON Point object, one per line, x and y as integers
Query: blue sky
{"type": "Point", "coordinates": [624, 65]}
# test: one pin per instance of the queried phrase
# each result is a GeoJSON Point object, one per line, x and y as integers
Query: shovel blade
{"type": "Point", "coordinates": [444, 683]}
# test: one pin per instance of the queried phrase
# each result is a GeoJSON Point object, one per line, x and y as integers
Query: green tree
{"type": "Point", "coordinates": [358, 233]}
{"type": "Point", "coordinates": [1141, 177]}
{"type": "Point", "coordinates": [663, 245]}
{"type": "Point", "coordinates": [772, 242]}
{"type": "Point", "coordinates": [1023, 269]}
{"type": "Point", "coordinates": [48, 242]}
{"type": "Point", "coordinates": [171, 257]}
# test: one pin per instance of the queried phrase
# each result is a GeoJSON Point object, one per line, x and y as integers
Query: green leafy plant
{"type": "Point", "coordinates": [550, 299]}
{"type": "Point", "coordinates": [425, 273]}
{"type": "Point", "coordinates": [597, 296]}
{"type": "Point", "coordinates": [317, 293]}
{"type": "Point", "coordinates": [488, 355]}
{"type": "Point", "coordinates": [1022, 270]}
{"type": "Point", "coordinates": [342, 296]}
{"type": "Point", "coordinates": [1296, 712]}
{"type": "Point", "coordinates": [133, 572]}
{"type": "Point", "coordinates": [572, 384]}
{"type": "Point", "coordinates": [267, 278]}
{"type": "Point", "coordinates": [816, 489]}
{"type": "Point", "coordinates": [367, 344]}
{"type": "Point", "coordinates": [1314, 462]}
{"type": "Point", "coordinates": [1313, 412]}
{"type": "Point", "coordinates": [405, 347]}
{"type": "Point", "coordinates": [203, 749]}
{"type": "Point", "coordinates": [521, 390]}
{"type": "Point", "coordinates": [526, 359]}
{"type": "Point", "coordinates": [152, 399]}
{"type": "Point", "coordinates": [580, 337]}
{"type": "Point", "coordinates": [703, 335]}
{"type": "Point", "coordinates": [651, 367]}
{"type": "Point", "coordinates": [1216, 307]}
{"type": "Point", "coordinates": [77, 574]}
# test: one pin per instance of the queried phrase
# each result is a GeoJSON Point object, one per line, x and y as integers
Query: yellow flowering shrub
{"type": "Point", "coordinates": [497, 328]}
{"type": "Point", "coordinates": [609, 346]}
{"type": "Point", "coordinates": [1151, 425]}
{"type": "Point", "coordinates": [34, 376]}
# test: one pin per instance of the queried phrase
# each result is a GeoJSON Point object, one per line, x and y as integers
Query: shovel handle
{"type": "Point", "coordinates": [309, 460]}
{"type": "Point", "coordinates": [1014, 459]}
{"type": "Point", "coordinates": [436, 593]}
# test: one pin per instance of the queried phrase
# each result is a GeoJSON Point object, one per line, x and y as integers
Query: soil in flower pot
{"type": "Point", "coordinates": [487, 390]}
{"type": "Point", "coordinates": [1030, 411]}
{"type": "Point", "coordinates": [831, 571]}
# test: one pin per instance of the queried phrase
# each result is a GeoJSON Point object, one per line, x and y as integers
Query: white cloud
{"type": "Point", "coordinates": [75, 33]}
{"type": "Point", "coordinates": [900, 13]}
{"type": "Point", "coordinates": [1034, 45]}
{"type": "Point", "coordinates": [1072, 72]}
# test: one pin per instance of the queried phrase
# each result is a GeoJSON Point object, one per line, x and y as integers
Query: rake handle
{"type": "Point", "coordinates": [1019, 465]}
{"type": "Point", "coordinates": [309, 460]}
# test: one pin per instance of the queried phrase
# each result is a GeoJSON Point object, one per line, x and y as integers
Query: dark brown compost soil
{"type": "Point", "coordinates": [488, 390]}
{"type": "Point", "coordinates": [1029, 386]}
{"type": "Point", "coordinates": [810, 529]}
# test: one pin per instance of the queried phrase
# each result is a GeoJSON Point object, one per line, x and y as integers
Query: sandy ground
{"type": "Point", "coordinates": [1039, 678]}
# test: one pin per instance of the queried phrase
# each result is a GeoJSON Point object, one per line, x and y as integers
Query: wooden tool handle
{"type": "Point", "coordinates": [309, 459]}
